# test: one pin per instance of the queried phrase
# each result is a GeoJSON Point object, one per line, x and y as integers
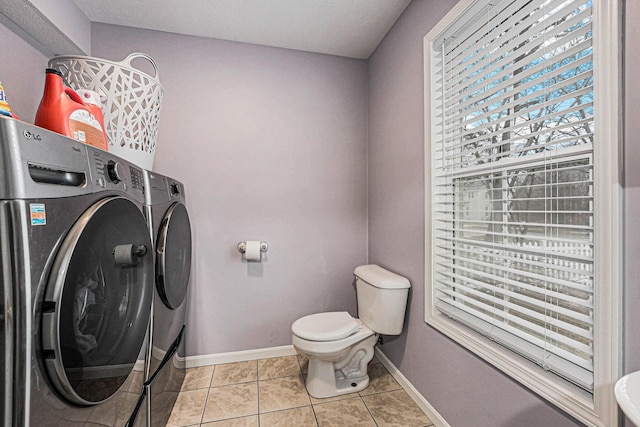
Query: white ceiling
{"type": "Point", "coordinates": [351, 28]}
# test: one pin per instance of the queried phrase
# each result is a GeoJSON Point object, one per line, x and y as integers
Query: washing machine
{"type": "Point", "coordinates": [77, 282]}
{"type": "Point", "coordinates": [170, 231]}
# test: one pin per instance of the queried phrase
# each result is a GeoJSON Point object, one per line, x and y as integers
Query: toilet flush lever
{"type": "Point", "coordinates": [242, 247]}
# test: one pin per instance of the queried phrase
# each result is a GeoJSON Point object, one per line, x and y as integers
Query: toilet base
{"type": "Point", "coordinates": [349, 375]}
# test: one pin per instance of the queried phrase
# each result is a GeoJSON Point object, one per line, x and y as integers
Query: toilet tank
{"type": "Point", "coordinates": [382, 298]}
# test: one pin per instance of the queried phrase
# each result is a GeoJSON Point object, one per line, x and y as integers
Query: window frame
{"type": "Point", "coordinates": [600, 408]}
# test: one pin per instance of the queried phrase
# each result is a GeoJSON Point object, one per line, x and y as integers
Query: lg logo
{"type": "Point", "coordinates": [29, 135]}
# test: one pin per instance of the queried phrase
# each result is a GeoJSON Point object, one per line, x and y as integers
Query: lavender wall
{"type": "Point", "coordinates": [22, 75]}
{"type": "Point", "coordinates": [465, 390]}
{"type": "Point", "coordinates": [271, 145]}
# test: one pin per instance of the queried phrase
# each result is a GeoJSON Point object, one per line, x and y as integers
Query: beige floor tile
{"type": "Point", "coordinates": [380, 380]}
{"type": "Point", "coordinates": [136, 378]}
{"type": "Point", "coordinates": [251, 421]}
{"type": "Point", "coordinates": [350, 412]}
{"type": "Point", "coordinates": [231, 401]}
{"type": "Point", "coordinates": [197, 378]}
{"type": "Point", "coordinates": [316, 401]}
{"type": "Point", "coordinates": [282, 393]}
{"type": "Point", "coordinates": [277, 367]}
{"type": "Point", "coordinates": [161, 406]}
{"type": "Point", "coordinates": [298, 417]}
{"type": "Point", "coordinates": [271, 393]}
{"type": "Point", "coordinates": [173, 379]}
{"type": "Point", "coordinates": [304, 363]}
{"type": "Point", "coordinates": [188, 408]}
{"type": "Point", "coordinates": [396, 409]}
{"type": "Point", "coordinates": [108, 412]}
{"type": "Point", "coordinates": [233, 373]}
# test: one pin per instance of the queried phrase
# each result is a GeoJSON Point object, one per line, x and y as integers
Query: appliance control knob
{"type": "Point", "coordinates": [175, 189]}
{"type": "Point", "coordinates": [115, 170]}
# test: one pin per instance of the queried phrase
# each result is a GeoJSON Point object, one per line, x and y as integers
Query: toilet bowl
{"type": "Point", "coordinates": [339, 349]}
{"type": "Point", "coordinates": [339, 346]}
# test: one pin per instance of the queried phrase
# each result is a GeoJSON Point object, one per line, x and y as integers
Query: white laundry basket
{"type": "Point", "coordinates": [131, 101]}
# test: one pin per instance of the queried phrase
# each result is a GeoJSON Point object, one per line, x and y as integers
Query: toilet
{"type": "Point", "coordinates": [340, 347]}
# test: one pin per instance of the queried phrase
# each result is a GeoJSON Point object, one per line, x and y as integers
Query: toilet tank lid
{"type": "Point", "coordinates": [330, 326]}
{"type": "Point", "coordinates": [381, 278]}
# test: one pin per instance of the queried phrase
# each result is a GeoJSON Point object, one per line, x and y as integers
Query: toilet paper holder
{"type": "Point", "coordinates": [242, 247]}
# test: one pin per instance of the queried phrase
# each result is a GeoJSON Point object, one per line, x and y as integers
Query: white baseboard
{"type": "Point", "coordinates": [239, 356]}
{"type": "Point", "coordinates": [426, 407]}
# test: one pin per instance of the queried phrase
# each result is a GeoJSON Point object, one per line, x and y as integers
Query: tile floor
{"type": "Point", "coordinates": [271, 393]}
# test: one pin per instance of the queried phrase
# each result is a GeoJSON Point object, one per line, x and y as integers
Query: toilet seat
{"type": "Point", "coordinates": [331, 348]}
{"type": "Point", "coordinates": [331, 326]}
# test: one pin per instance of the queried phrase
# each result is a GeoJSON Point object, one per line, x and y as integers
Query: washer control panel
{"type": "Point", "coordinates": [115, 171]}
{"type": "Point", "coordinates": [111, 172]}
{"type": "Point", "coordinates": [137, 179]}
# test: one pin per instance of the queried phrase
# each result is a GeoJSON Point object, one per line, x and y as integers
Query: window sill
{"type": "Point", "coordinates": [571, 399]}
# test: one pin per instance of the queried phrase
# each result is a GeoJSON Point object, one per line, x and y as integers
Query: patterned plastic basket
{"type": "Point", "coordinates": [131, 101]}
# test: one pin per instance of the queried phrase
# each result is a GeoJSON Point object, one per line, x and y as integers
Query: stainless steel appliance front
{"type": "Point", "coordinates": [75, 304]}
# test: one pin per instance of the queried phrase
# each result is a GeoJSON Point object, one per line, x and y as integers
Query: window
{"type": "Point", "coordinates": [522, 222]}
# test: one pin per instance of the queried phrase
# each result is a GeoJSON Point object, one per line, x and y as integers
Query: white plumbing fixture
{"type": "Point", "coordinates": [627, 391]}
{"type": "Point", "coordinates": [340, 347]}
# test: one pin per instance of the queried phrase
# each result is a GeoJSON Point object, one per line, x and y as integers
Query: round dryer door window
{"type": "Point", "coordinates": [174, 256]}
{"type": "Point", "coordinates": [98, 302]}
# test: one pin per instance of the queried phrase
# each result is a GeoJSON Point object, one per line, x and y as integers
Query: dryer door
{"type": "Point", "coordinates": [98, 302]}
{"type": "Point", "coordinates": [173, 258]}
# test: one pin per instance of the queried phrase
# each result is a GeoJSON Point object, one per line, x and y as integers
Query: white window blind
{"type": "Point", "coordinates": [512, 161]}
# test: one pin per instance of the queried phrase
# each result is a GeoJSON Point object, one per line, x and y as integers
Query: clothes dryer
{"type": "Point", "coordinates": [170, 229]}
{"type": "Point", "coordinates": [77, 282]}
